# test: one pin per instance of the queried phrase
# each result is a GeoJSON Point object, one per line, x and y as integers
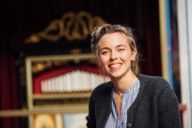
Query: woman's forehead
{"type": "Point", "coordinates": [113, 39]}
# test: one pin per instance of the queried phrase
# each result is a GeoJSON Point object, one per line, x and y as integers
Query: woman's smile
{"type": "Point", "coordinates": [114, 66]}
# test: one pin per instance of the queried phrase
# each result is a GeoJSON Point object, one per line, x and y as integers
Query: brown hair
{"type": "Point", "coordinates": [99, 31]}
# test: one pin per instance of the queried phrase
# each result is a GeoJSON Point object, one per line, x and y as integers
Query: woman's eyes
{"type": "Point", "coordinates": [105, 52]}
{"type": "Point", "coordinates": [121, 49]}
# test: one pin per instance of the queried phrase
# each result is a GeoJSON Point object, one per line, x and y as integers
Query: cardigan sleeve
{"type": "Point", "coordinates": [168, 107]}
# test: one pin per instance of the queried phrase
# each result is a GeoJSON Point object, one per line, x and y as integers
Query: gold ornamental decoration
{"type": "Point", "coordinates": [71, 26]}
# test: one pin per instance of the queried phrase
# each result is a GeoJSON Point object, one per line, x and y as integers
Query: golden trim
{"type": "Point", "coordinates": [38, 66]}
{"type": "Point", "coordinates": [71, 26]}
{"type": "Point", "coordinates": [163, 38]}
{"type": "Point", "coordinates": [63, 96]}
{"type": "Point", "coordinates": [78, 108]}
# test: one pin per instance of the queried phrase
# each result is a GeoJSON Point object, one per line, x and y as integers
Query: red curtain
{"type": "Point", "coordinates": [9, 87]}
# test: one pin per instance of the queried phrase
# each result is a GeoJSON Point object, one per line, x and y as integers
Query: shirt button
{"type": "Point", "coordinates": [129, 125]}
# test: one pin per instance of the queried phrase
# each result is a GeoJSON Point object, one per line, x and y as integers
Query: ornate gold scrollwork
{"type": "Point", "coordinates": [71, 26]}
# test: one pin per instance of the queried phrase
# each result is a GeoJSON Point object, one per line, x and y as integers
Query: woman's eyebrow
{"type": "Point", "coordinates": [121, 45]}
{"type": "Point", "coordinates": [104, 48]}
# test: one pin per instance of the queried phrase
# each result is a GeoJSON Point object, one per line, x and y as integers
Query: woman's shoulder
{"type": "Point", "coordinates": [150, 77]}
{"type": "Point", "coordinates": [103, 87]}
{"type": "Point", "coordinates": [102, 90]}
{"type": "Point", "coordinates": [154, 81]}
{"type": "Point", "coordinates": [156, 86]}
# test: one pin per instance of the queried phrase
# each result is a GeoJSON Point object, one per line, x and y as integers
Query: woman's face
{"type": "Point", "coordinates": [115, 55]}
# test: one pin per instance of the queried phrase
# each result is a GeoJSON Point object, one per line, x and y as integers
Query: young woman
{"type": "Point", "coordinates": [130, 99]}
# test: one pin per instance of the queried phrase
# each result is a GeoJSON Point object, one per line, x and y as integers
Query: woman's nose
{"type": "Point", "coordinates": [114, 55]}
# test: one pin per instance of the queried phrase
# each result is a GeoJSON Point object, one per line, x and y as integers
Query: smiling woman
{"type": "Point", "coordinates": [130, 99]}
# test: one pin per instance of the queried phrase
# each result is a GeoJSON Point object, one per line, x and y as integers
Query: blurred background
{"type": "Point", "coordinates": [45, 43]}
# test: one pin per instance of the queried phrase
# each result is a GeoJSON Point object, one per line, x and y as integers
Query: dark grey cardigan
{"type": "Point", "coordinates": [156, 105]}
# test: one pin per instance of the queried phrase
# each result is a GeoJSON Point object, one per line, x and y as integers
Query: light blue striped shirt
{"type": "Point", "coordinates": [128, 98]}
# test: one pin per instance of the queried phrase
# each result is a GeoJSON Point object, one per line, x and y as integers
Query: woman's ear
{"type": "Point", "coordinates": [133, 55]}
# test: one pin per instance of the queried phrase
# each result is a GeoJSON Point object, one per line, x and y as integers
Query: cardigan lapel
{"type": "Point", "coordinates": [104, 108]}
{"type": "Point", "coordinates": [138, 98]}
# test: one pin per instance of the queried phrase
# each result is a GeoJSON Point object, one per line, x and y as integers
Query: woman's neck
{"type": "Point", "coordinates": [124, 83]}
